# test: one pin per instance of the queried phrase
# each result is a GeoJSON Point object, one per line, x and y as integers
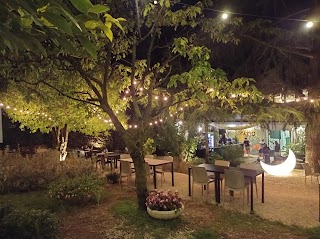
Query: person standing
{"type": "Point", "coordinates": [246, 144]}
{"type": "Point", "coordinates": [276, 149]}
{"type": "Point", "coordinates": [262, 145]}
{"type": "Point", "coordinates": [266, 154]}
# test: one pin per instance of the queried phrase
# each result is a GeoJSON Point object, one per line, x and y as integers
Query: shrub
{"type": "Point", "coordinates": [18, 174]}
{"type": "Point", "coordinates": [26, 224]}
{"type": "Point", "coordinates": [113, 177]}
{"type": "Point", "coordinates": [76, 191]}
{"type": "Point", "coordinates": [232, 153]}
{"type": "Point", "coordinates": [214, 156]}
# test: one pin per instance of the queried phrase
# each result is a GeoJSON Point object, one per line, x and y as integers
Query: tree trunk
{"type": "Point", "coordinates": [64, 143]}
{"type": "Point", "coordinates": [206, 140]}
{"type": "Point", "coordinates": [141, 179]}
{"type": "Point", "coordinates": [313, 139]}
{"type": "Point", "coordinates": [134, 143]}
{"type": "Point", "coordinates": [55, 132]}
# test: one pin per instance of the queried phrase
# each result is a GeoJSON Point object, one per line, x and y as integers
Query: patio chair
{"type": "Point", "coordinates": [149, 171]}
{"type": "Point", "coordinates": [200, 176]}
{"type": "Point", "coordinates": [125, 156]}
{"type": "Point", "coordinates": [251, 167]}
{"type": "Point", "coordinates": [234, 181]}
{"type": "Point", "coordinates": [125, 170]}
{"type": "Point", "coordinates": [223, 163]}
{"type": "Point", "coordinates": [308, 172]}
{"type": "Point", "coordinates": [164, 168]}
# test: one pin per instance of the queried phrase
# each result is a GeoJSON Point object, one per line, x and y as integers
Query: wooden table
{"type": "Point", "coordinates": [154, 163]}
{"type": "Point", "coordinates": [217, 170]}
{"type": "Point", "coordinates": [110, 156]}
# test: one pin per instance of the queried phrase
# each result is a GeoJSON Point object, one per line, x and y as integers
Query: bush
{"type": "Point", "coordinates": [77, 191]}
{"type": "Point", "coordinates": [232, 153]}
{"type": "Point", "coordinates": [113, 177]}
{"type": "Point", "coordinates": [18, 174]}
{"type": "Point", "coordinates": [26, 224]}
{"type": "Point", "coordinates": [214, 156]}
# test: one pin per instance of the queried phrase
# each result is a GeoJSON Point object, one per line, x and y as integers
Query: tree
{"type": "Point", "coordinates": [154, 68]}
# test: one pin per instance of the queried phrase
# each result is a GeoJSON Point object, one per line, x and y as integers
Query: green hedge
{"type": "Point", "coordinates": [30, 224]}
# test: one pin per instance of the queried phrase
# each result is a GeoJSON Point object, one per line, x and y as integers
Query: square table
{"type": "Point", "coordinates": [154, 163]}
{"type": "Point", "coordinates": [110, 156]}
{"type": "Point", "coordinates": [217, 170]}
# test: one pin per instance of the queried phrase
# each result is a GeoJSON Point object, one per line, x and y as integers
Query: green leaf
{"type": "Point", "coordinates": [71, 18]}
{"type": "Point", "coordinates": [82, 5]}
{"type": "Point", "coordinates": [67, 46]}
{"type": "Point", "coordinates": [107, 31]}
{"type": "Point", "coordinates": [98, 9]}
{"type": "Point", "coordinates": [88, 45]}
{"type": "Point", "coordinates": [58, 21]}
{"type": "Point", "coordinates": [91, 24]}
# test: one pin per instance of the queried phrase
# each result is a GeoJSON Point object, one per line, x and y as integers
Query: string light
{"type": "Point", "coordinates": [309, 24]}
{"type": "Point", "coordinates": [224, 16]}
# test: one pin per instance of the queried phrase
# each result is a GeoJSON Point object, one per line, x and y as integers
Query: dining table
{"type": "Point", "coordinates": [109, 156]}
{"type": "Point", "coordinates": [154, 163]}
{"type": "Point", "coordinates": [251, 174]}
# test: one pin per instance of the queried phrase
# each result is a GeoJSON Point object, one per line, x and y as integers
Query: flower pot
{"type": "Point", "coordinates": [165, 215]}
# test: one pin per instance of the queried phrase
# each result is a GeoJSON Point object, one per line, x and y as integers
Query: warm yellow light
{"type": "Point", "coordinates": [135, 126]}
{"type": "Point", "coordinates": [309, 24]}
{"type": "Point", "coordinates": [297, 100]}
{"type": "Point", "coordinates": [311, 100]}
{"type": "Point", "coordinates": [165, 98]}
{"type": "Point", "coordinates": [156, 97]}
{"type": "Point", "coordinates": [224, 16]}
{"type": "Point", "coordinates": [282, 169]}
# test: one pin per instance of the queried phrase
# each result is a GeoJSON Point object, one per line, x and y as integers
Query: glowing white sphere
{"type": "Point", "coordinates": [282, 169]}
{"type": "Point", "coordinates": [224, 16]}
{"type": "Point", "coordinates": [309, 24]}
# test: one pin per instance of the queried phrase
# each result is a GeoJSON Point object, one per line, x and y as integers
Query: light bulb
{"type": "Point", "coordinates": [309, 24]}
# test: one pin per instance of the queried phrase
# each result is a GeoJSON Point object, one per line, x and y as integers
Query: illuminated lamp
{"type": "Point", "coordinates": [282, 169]}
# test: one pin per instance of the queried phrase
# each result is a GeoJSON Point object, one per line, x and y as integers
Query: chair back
{"type": "Point", "coordinates": [222, 163]}
{"type": "Point", "coordinates": [147, 168]}
{"type": "Point", "coordinates": [149, 156]}
{"type": "Point", "coordinates": [125, 167]}
{"type": "Point", "coordinates": [307, 169]}
{"type": "Point", "coordinates": [234, 179]}
{"type": "Point", "coordinates": [199, 174]}
{"type": "Point", "coordinates": [125, 156]}
{"type": "Point", "coordinates": [167, 167]}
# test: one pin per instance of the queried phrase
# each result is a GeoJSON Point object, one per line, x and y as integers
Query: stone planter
{"type": "Point", "coordinates": [165, 215]}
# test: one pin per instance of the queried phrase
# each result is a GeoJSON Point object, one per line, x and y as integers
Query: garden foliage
{"type": "Point", "coordinates": [31, 223]}
{"type": "Point", "coordinates": [19, 174]}
{"type": "Point", "coordinates": [77, 191]}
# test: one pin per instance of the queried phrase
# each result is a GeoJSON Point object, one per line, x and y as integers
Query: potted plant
{"type": "Point", "coordinates": [164, 205]}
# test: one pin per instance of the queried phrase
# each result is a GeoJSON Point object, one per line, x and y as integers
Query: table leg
{"type": "Point", "coordinates": [217, 186]}
{"type": "Point", "coordinates": [115, 162]}
{"type": "Point", "coordinates": [189, 180]}
{"type": "Point", "coordinates": [262, 197]}
{"type": "Point", "coordinates": [251, 195]}
{"type": "Point", "coordinates": [154, 177]}
{"type": "Point", "coordinates": [172, 175]}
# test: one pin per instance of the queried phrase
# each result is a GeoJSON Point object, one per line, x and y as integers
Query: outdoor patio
{"type": "Point", "coordinates": [287, 199]}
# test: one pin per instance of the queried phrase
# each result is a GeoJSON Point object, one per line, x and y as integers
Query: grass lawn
{"type": "Point", "coordinates": [117, 216]}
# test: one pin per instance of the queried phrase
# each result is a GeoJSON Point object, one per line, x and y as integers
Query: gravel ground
{"type": "Point", "coordinates": [287, 199]}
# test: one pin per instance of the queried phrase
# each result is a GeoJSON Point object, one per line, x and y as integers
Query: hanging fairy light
{"type": "Point", "coordinates": [309, 24]}
{"type": "Point", "coordinates": [224, 16]}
